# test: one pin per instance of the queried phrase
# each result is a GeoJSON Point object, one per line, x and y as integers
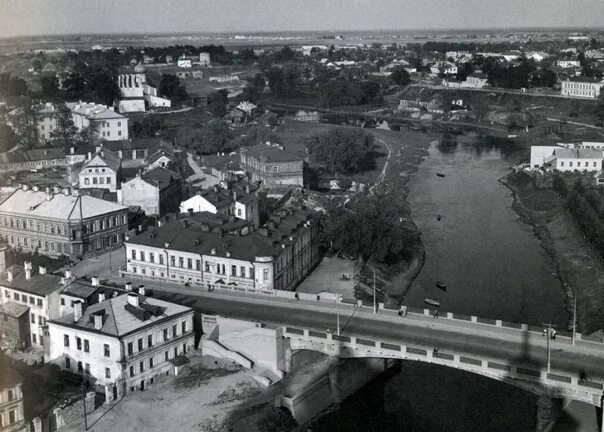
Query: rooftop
{"type": "Point", "coordinates": [38, 284]}
{"type": "Point", "coordinates": [270, 153]}
{"type": "Point", "coordinates": [120, 317]}
{"type": "Point", "coordinates": [13, 309]}
{"type": "Point", "coordinates": [21, 155]}
{"type": "Point", "coordinates": [40, 204]}
{"type": "Point", "coordinates": [580, 153]}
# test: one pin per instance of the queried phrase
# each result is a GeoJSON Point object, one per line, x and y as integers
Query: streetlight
{"type": "Point", "coordinates": [338, 311]}
{"type": "Point", "coordinates": [548, 335]}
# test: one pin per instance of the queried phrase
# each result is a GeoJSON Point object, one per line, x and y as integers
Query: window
{"type": "Point", "coordinates": [238, 212]}
{"type": "Point", "coordinates": [32, 300]}
{"type": "Point", "coordinates": [39, 302]}
{"type": "Point", "coordinates": [11, 395]}
{"type": "Point", "coordinates": [34, 338]}
{"type": "Point", "coordinates": [17, 297]}
{"type": "Point", "coordinates": [141, 367]}
{"type": "Point", "coordinates": [130, 350]}
{"type": "Point", "coordinates": [189, 263]}
{"type": "Point", "coordinates": [181, 262]}
{"type": "Point", "coordinates": [131, 371]}
{"type": "Point", "coordinates": [172, 260]}
{"type": "Point", "coordinates": [165, 334]}
{"type": "Point", "coordinates": [106, 351]}
{"type": "Point", "coordinates": [107, 373]}
{"type": "Point", "coordinates": [207, 266]}
{"type": "Point", "coordinates": [233, 270]}
{"type": "Point", "coordinates": [95, 180]}
{"type": "Point", "coordinates": [142, 254]}
{"type": "Point", "coordinates": [33, 318]}
{"type": "Point", "coordinates": [78, 343]}
{"type": "Point", "coordinates": [150, 341]}
{"type": "Point", "coordinates": [87, 368]}
{"type": "Point", "coordinates": [265, 275]}
{"type": "Point", "coordinates": [108, 180]}
{"type": "Point", "coordinates": [12, 418]}
{"type": "Point", "coordinates": [242, 271]}
{"type": "Point", "coordinates": [161, 259]}
{"type": "Point", "coordinates": [102, 180]}
{"type": "Point", "coordinates": [67, 363]}
{"type": "Point", "coordinates": [184, 327]}
{"type": "Point", "coordinates": [174, 331]}
{"type": "Point", "coordinates": [133, 254]}
{"type": "Point", "coordinates": [79, 367]}
{"type": "Point", "coordinates": [150, 362]}
{"type": "Point", "coordinates": [166, 356]}
{"type": "Point", "coordinates": [66, 340]}
{"type": "Point", "coordinates": [275, 169]}
{"type": "Point", "coordinates": [198, 265]}
{"type": "Point", "coordinates": [561, 163]}
{"type": "Point", "coordinates": [140, 344]}
{"type": "Point", "coordinates": [151, 257]}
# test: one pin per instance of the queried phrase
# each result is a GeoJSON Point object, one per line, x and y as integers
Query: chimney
{"type": "Point", "coordinates": [34, 188]}
{"type": "Point", "coordinates": [56, 189]}
{"type": "Point", "coordinates": [101, 296]}
{"type": "Point", "coordinates": [98, 321]}
{"type": "Point", "coordinates": [66, 191]}
{"type": "Point", "coordinates": [128, 286]}
{"type": "Point", "coordinates": [141, 289]}
{"type": "Point", "coordinates": [24, 187]}
{"type": "Point", "coordinates": [89, 156]}
{"type": "Point", "coordinates": [72, 150]}
{"type": "Point", "coordinates": [77, 311]}
{"type": "Point", "coordinates": [10, 274]}
{"type": "Point", "coordinates": [95, 281]}
{"type": "Point", "coordinates": [42, 270]}
{"type": "Point", "coordinates": [166, 245]}
{"type": "Point", "coordinates": [133, 300]}
{"type": "Point", "coordinates": [190, 211]}
{"type": "Point", "coordinates": [67, 274]}
{"type": "Point", "coordinates": [27, 266]}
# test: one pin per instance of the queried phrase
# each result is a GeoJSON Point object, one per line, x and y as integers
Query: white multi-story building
{"type": "Point", "coordinates": [582, 88]}
{"type": "Point", "coordinates": [568, 64]}
{"type": "Point", "coordinates": [136, 93]}
{"type": "Point", "coordinates": [566, 159]}
{"type": "Point", "coordinates": [124, 343]}
{"type": "Point", "coordinates": [444, 67]}
{"type": "Point", "coordinates": [38, 291]}
{"type": "Point", "coordinates": [104, 122]}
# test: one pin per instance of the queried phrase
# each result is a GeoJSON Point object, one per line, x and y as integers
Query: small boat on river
{"type": "Point", "coordinates": [432, 302]}
{"type": "Point", "coordinates": [439, 217]}
{"type": "Point", "coordinates": [441, 285]}
{"type": "Point", "coordinates": [440, 174]}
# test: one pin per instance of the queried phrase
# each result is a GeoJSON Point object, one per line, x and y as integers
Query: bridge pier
{"type": "Point", "coordinates": [549, 410]}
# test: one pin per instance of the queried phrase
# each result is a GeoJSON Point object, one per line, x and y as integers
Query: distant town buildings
{"type": "Point", "coordinates": [273, 166]}
{"type": "Point", "coordinates": [101, 170]}
{"type": "Point", "coordinates": [124, 343]}
{"type": "Point", "coordinates": [582, 88]}
{"type": "Point", "coordinates": [57, 222]}
{"type": "Point", "coordinates": [19, 159]}
{"type": "Point", "coordinates": [568, 63]}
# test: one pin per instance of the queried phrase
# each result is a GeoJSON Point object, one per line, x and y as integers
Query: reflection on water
{"type": "Point", "coordinates": [493, 267]}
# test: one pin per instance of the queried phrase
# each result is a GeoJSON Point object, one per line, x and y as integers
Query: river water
{"type": "Point", "coordinates": [493, 267]}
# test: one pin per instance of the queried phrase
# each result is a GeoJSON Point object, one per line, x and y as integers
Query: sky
{"type": "Point", "coordinates": [42, 17]}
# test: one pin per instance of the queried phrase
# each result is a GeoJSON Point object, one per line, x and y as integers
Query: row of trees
{"type": "Point", "coordinates": [340, 92]}
{"type": "Point", "coordinates": [11, 86]}
{"type": "Point", "coordinates": [586, 205]}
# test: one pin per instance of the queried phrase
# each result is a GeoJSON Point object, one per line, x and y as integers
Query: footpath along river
{"type": "Point", "coordinates": [493, 267]}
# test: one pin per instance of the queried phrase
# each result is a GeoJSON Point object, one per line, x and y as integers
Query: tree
{"type": "Point", "coordinates": [65, 133]}
{"type": "Point", "coordinates": [219, 137]}
{"type": "Point", "coordinates": [370, 227]}
{"type": "Point", "coordinates": [341, 149]}
{"type": "Point", "coordinates": [400, 76]}
{"type": "Point", "coordinates": [559, 185]}
{"type": "Point", "coordinates": [168, 85]}
{"type": "Point", "coordinates": [25, 123]}
{"type": "Point", "coordinates": [10, 86]}
{"type": "Point", "coordinates": [258, 134]}
{"type": "Point", "coordinates": [218, 102]}
{"type": "Point", "coordinates": [276, 420]}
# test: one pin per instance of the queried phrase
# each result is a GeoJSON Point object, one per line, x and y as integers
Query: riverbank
{"type": "Point", "coordinates": [408, 151]}
{"type": "Point", "coordinates": [576, 265]}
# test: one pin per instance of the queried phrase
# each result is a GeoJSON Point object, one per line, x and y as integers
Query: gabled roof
{"type": "Point", "coordinates": [38, 284]}
{"type": "Point", "coordinates": [106, 157]}
{"type": "Point", "coordinates": [21, 155]}
{"type": "Point", "coordinates": [160, 177]}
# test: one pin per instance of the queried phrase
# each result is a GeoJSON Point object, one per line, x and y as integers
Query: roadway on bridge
{"type": "Point", "coordinates": [520, 348]}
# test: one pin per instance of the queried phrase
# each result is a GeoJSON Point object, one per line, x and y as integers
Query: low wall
{"type": "Point", "coordinates": [65, 413]}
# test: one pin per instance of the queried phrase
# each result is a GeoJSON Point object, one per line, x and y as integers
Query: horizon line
{"type": "Point", "coordinates": [329, 31]}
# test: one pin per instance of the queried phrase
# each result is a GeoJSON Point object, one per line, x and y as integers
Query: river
{"type": "Point", "coordinates": [493, 267]}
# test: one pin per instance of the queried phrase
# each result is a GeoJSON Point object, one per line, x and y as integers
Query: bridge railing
{"type": "Point", "coordinates": [588, 390]}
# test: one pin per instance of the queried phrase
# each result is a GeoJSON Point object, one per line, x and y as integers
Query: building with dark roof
{"type": "Point", "coordinates": [58, 221]}
{"type": "Point", "coordinates": [12, 416]}
{"type": "Point", "coordinates": [157, 191]}
{"type": "Point", "coordinates": [35, 159]}
{"type": "Point", "coordinates": [273, 166]}
{"type": "Point", "coordinates": [213, 251]}
{"type": "Point", "coordinates": [124, 342]}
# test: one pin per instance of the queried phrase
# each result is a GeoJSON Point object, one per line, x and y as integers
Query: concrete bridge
{"type": "Point", "coordinates": [509, 352]}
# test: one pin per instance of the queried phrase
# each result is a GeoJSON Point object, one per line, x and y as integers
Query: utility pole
{"type": "Point", "coordinates": [338, 311]}
{"type": "Point", "coordinates": [374, 304]}
{"type": "Point", "coordinates": [574, 318]}
{"type": "Point", "coordinates": [84, 399]}
{"type": "Point", "coordinates": [548, 335]}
